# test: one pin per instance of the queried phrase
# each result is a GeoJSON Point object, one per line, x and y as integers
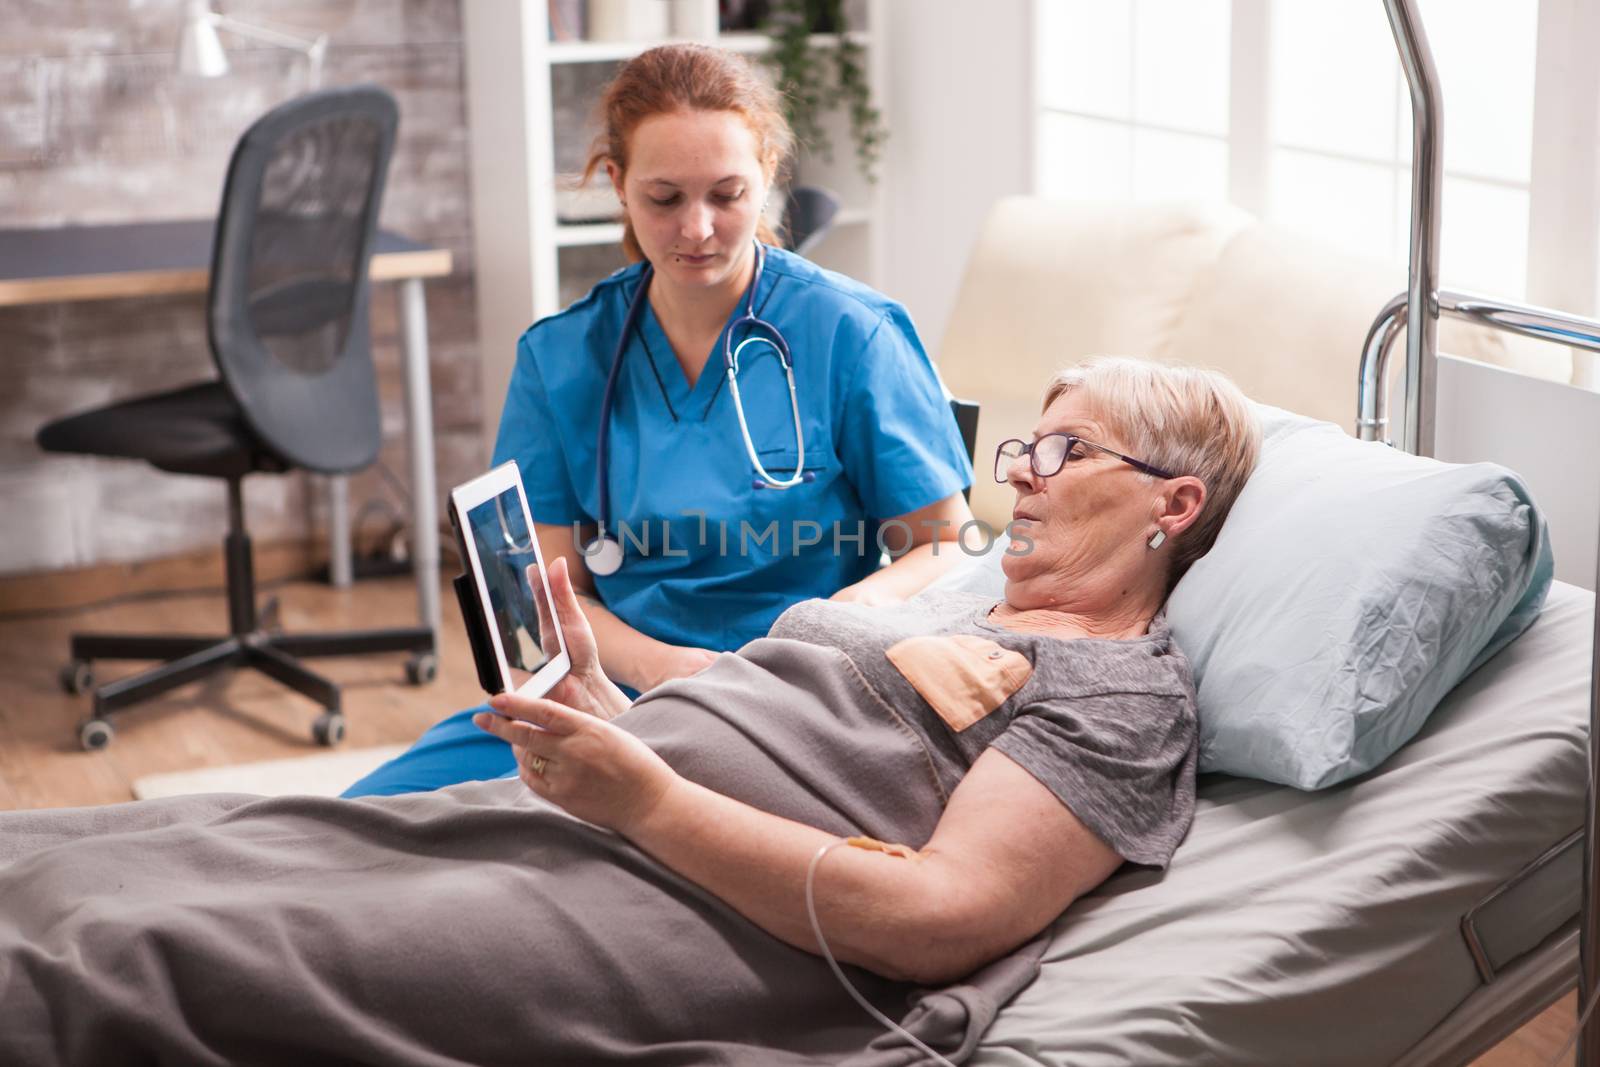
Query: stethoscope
{"type": "Point", "coordinates": [603, 553]}
{"type": "Point", "coordinates": [510, 539]}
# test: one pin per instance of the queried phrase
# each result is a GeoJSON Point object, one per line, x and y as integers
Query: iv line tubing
{"type": "Point", "coordinates": [827, 954]}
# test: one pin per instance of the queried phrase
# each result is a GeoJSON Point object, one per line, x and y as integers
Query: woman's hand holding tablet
{"type": "Point", "coordinates": [533, 639]}
{"type": "Point", "coordinates": [518, 650]}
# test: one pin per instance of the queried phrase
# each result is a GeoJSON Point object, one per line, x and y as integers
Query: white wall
{"type": "Point", "coordinates": [1552, 441]}
{"type": "Point", "coordinates": [960, 118]}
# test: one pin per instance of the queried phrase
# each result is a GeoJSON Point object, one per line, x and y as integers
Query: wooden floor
{"type": "Point", "coordinates": [237, 718]}
{"type": "Point", "coordinates": [246, 717]}
{"type": "Point", "coordinates": [1536, 1044]}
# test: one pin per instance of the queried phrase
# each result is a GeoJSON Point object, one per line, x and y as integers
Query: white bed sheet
{"type": "Point", "coordinates": [1324, 928]}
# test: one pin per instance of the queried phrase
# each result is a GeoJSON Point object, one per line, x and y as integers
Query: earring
{"type": "Point", "coordinates": [1157, 539]}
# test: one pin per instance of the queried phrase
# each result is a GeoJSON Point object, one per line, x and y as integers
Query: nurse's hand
{"type": "Point", "coordinates": [589, 768]}
{"type": "Point", "coordinates": [679, 661]}
{"type": "Point", "coordinates": [586, 686]}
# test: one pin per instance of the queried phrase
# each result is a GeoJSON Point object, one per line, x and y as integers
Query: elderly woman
{"type": "Point", "coordinates": [645, 896]}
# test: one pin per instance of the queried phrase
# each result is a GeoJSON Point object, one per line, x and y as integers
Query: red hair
{"type": "Point", "coordinates": [689, 77]}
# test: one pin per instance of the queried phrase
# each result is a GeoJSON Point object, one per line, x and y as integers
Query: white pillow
{"type": "Point", "coordinates": [978, 573]}
{"type": "Point", "coordinates": [1351, 588]}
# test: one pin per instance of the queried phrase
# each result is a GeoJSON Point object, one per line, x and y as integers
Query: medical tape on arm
{"type": "Point", "coordinates": [872, 844]}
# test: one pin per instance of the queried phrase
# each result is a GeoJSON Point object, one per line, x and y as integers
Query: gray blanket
{"type": "Point", "coordinates": [474, 925]}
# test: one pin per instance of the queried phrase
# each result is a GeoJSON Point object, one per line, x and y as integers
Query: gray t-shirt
{"type": "Point", "coordinates": [1107, 726]}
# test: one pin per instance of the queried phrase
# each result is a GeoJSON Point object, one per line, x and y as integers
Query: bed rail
{"type": "Point", "coordinates": [1544, 324]}
{"type": "Point", "coordinates": [1422, 304]}
{"type": "Point", "coordinates": [1427, 174]}
{"type": "Point", "coordinates": [1470, 931]}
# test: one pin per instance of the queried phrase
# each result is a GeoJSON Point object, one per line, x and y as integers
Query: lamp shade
{"type": "Point", "coordinates": [199, 49]}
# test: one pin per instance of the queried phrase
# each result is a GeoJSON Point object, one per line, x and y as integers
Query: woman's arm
{"type": "Point", "coordinates": [935, 548]}
{"type": "Point", "coordinates": [626, 655]}
{"type": "Point", "coordinates": [1006, 858]}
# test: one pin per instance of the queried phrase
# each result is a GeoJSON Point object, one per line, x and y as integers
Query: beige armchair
{"type": "Point", "coordinates": [1053, 281]}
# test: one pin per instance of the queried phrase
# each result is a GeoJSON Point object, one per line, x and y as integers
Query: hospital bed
{"type": "Point", "coordinates": [1337, 927]}
{"type": "Point", "coordinates": [1416, 915]}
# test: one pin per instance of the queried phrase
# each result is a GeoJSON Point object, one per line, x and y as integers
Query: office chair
{"type": "Point", "coordinates": [966, 413]}
{"type": "Point", "coordinates": [808, 215]}
{"type": "Point", "coordinates": [287, 321]}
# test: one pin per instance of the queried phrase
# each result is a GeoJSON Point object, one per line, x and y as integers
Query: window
{"type": "Point", "coordinates": [1133, 99]}
{"type": "Point", "coordinates": [1297, 111]}
{"type": "Point", "coordinates": [1330, 130]}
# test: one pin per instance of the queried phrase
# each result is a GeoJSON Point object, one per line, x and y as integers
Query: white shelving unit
{"type": "Point", "coordinates": [518, 241]}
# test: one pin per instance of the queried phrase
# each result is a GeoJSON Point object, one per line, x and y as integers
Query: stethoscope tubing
{"type": "Point", "coordinates": [605, 556]}
{"type": "Point", "coordinates": [603, 445]}
{"type": "Point", "coordinates": [763, 479]}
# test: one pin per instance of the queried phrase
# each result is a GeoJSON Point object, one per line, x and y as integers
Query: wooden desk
{"type": "Point", "coordinates": [66, 263]}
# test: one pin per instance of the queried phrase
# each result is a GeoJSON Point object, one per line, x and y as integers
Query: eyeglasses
{"type": "Point", "coordinates": [1050, 453]}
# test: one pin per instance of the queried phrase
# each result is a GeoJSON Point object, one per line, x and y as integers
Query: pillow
{"type": "Point", "coordinates": [978, 573]}
{"type": "Point", "coordinates": [1351, 588]}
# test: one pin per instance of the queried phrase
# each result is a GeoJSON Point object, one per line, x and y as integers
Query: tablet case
{"type": "Point", "coordinates": [483, 656]}
{"type": "Point", "coordinates": [482, 648]}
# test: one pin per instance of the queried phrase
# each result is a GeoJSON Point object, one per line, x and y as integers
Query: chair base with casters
{"type": "Point", "coordinates": [205, 425]}
{"type": "Point", "coordinates": [287, 322]}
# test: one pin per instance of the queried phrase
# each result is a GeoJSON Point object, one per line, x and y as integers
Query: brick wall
{"type": "Point", "coordinates": [96, 126]}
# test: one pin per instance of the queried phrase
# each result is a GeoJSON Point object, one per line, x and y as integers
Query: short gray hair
{"type": "Point", "coordinates": [1186, 420]}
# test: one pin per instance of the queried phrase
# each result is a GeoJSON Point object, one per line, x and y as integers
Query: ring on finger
{"type": "Point", "coordinates": [537, 764]}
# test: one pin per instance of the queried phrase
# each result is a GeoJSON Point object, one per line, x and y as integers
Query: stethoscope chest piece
{"type": "Point", "coordinates": [603, 555]}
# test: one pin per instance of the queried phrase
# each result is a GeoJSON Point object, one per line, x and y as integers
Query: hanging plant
{"type": "Point", "coordinates": [810, 89]}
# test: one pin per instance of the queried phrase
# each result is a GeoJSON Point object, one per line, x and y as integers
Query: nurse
{"type": "Point", "coordinates": [708, 503]}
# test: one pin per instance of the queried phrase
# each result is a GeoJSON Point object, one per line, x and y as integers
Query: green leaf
{"type": "Point", "coordinates": [810, 89]}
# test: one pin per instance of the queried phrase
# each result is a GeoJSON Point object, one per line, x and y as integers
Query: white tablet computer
{"type": "Point", "coordinates": [515, 637]}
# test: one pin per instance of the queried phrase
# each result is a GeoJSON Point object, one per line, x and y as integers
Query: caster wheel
{"type": "Point", "coordinates": [422, 668]}
{"type": "Point", "coordinates": [94, 734]}
{"type": "Point", "coordinates": [77, 677]}
{"type": "Point", "coordinates": [328, 730]}
{"type": "Point", "coordinates": [267, 619]}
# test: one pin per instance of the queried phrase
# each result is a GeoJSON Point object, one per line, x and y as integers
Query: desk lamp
{"type": "Point", "coordinates": [200, 50]}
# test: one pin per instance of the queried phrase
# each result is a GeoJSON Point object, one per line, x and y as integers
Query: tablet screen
{"type": "Point", "coordinates": [519, 595]}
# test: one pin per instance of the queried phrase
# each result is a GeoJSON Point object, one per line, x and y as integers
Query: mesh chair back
{"type": "Point", "coordinates": [288, 301]}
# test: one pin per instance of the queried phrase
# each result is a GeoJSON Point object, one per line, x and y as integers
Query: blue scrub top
{"type": "Point", "coordinates": [879, 438]}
